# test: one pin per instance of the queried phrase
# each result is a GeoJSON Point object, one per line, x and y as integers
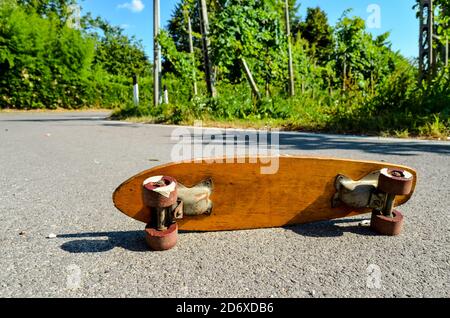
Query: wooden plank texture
{"type": "Point", "coordinates": [243, 198]}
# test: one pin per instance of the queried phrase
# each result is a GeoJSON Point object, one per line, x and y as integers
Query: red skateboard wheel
{"type": "Point", "coordinates": [162, 240]}
{"type": "Point", "coordinates": [395, 181]}
{"type": "Point", "coordinates": [155, 199]}
{"type": "Point", "coordinates": [385, 225]}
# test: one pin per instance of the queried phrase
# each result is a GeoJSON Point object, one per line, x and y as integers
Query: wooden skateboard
{"type": "Point", "coordinates": [216, 195]}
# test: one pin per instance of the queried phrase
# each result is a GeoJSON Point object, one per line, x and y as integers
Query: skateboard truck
{"type": "Point", "coordinates": [377, 191]}
{"type": "Point", "coordinates": [168, 202]}
{"type": "Point", "coordinates": [196, 200]}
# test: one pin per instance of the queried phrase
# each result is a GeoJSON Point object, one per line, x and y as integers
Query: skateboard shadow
{"type": "Point", "coordinates": [97, 242]}
{"type": "Point", "coordinates": [332, 228]}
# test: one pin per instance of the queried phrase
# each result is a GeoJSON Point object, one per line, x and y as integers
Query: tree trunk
{"type": "Point", "coordinates": [371, 83]}
{"type": "Point", "coordinates": [206, 48]}
{"type": "Point", "coordinates": [291, 67]}
{"type": "Point", "coordinates": [250, 79]}
{"type": "Point", "coordinates": [446, 52]}
{"type": "Point", "coordinates": [191, 51]}
{"type": "Point", "coordinates": [344, 77]}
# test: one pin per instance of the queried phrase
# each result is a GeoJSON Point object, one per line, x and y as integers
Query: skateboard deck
{"type": "Point", "coordinates": [301, 191]}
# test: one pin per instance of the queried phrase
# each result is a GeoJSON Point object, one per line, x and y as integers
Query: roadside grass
{"type": "Point", "coordinates": [402, 133]}
{"type": "Point", "coordinates": [304, 116]}
{"type": "Point", "coordinates": [435, 128]}
{"type": "Point", "coordinates": [314, 110]}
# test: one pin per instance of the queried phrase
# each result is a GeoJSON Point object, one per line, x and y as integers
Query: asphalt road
{"type": "Point", "coordinates": [57, 174]}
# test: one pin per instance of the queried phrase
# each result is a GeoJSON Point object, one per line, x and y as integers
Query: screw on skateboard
{"type": "Point", "coordinates": [220, 196]}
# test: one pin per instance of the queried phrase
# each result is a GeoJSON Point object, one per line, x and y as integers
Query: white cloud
{"type": "Point", "coordinates": [134, 6]}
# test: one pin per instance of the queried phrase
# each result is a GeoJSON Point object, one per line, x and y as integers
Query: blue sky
{"type": "Point", "coordinates": [396, 16]}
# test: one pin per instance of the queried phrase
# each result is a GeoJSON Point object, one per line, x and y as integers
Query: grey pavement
{"type": "Point", "coordinates": [57, 175]}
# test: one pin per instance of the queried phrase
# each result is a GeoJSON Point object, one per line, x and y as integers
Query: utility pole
{"type": "Point", "coordinates": [204, 23]}
{"type": "Point", "coordinates": [426, 54]}
{"type": "Point", "coordinates": [156, 55]}
{"type": "Point", "coordinates": [291, 67]}
{"type": "Point", "coordinates": [191, 49]}
{"type": "Point", "coordinates": [433, 49]}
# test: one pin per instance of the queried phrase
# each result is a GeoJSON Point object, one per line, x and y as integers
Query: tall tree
{"type": "Point", "coordinates": [115, 52]}
{"type": "Point", "coordinates": [316, 30]}
{"type": "Point", "coordinates": [177, 27]}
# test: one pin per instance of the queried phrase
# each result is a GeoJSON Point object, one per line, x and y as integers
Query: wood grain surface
{"type": "Point", "coordinates": [243, 198]}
